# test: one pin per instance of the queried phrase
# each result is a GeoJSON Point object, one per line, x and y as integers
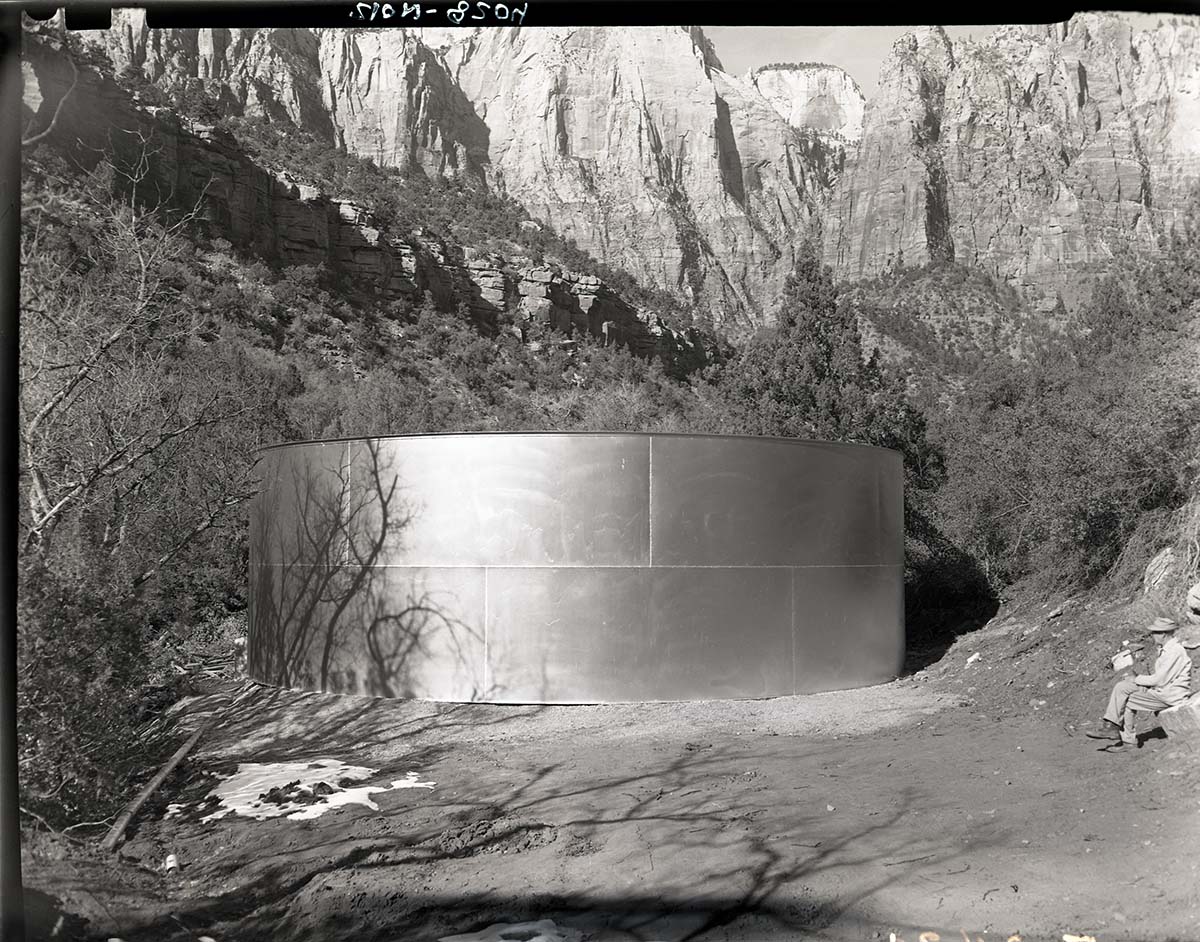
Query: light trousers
{"type": "Point", "coordinates": [1127, 698]}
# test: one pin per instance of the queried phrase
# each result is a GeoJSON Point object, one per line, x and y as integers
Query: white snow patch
{"type": "Point", "coordinates": [242, 792]}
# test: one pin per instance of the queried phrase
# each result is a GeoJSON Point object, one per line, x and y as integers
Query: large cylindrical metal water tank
{"type": "Point", "coordinates": [576, 567]}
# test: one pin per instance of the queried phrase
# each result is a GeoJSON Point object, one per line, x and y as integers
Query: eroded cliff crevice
{"type": "Point", "coordinates": [939, 243]}
{"type": "Point", "coordinates": [728, 158]}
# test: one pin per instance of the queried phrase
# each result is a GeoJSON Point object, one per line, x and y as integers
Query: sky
{"type": "Point", "coordinates": [860, 50]}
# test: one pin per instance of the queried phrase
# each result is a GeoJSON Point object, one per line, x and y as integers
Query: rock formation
{"type": "Point", "coordinates": [809, 95]}
{"type": "Point", "coordinates": [289, 223]}
{"type": "Point", "coordinates": [275, 72]}
{"type": "Point", "coordinates": [1036, 154]}
{"type": "Point", "coordinates": [633, 142]}
{"type": "Point", "coordinates": [390, 98]}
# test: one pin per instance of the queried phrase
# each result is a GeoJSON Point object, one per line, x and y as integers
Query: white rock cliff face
{"type": "Point", "coordinates": [820, 98]}
{"type": "Point", "coordinates": [390, 98]}
{"type": "Point", "coordinates": [1035, 154]}
{"type": "Point", "coordinates": [634, 143]}
{"type": "Point", "coordinates": [258, 71]}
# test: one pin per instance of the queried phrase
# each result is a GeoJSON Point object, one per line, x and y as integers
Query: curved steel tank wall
{"type": "Point", "coordinates": [577, 568]}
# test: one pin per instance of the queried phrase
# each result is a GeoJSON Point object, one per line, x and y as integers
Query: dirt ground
{"type": "Point", "coordinates": [903, 808]}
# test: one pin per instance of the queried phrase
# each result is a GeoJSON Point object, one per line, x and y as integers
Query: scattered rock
{"type": "Point", "coordinates": [282, 794]}
{"type": "Point", "coordinates": [1158, 569]}
{"type": "Point", "coordinates": [1182, 721]}
{"type": "Point", "coordinates": [496, 836]}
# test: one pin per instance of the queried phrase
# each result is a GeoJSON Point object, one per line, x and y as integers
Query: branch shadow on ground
{"type": "Point", "coordinates": [275, 724]}
{"type": "Point", "coordinates": [390, 875]}
{"type": "Point", "coordinates": [267, 725]}
{"type": "Point", "coordinates": [328, 617]}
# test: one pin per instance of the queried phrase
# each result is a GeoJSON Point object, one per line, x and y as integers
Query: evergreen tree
{"type": "Point", "coordinates": [808, 379]}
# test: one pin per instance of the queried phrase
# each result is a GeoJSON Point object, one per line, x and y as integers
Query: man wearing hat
{"type": "Point", "coordinates": [1169, 684]}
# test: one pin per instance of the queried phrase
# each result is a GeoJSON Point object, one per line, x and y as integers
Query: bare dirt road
{"type": "Point", "coordinates": [852, 815]}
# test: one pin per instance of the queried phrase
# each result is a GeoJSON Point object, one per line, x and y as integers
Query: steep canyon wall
{"type": "Point", "coordinates": [1035, 153]}
{"type": "Point", "coordinates": [288, 222]}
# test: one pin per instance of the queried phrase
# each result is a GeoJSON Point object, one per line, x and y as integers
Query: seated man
{"type": "Point", "coordinates": [1169, 684]}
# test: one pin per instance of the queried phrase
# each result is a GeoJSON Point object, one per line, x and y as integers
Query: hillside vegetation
{"type": "Point", "coordinates": [458, 209]}
{"type": "Point", "coordinates": [155, 359]}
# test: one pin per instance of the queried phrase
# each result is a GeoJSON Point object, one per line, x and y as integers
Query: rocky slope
{"type": "Point", "coordinates": [289, 223]}
{"type": "Point", "coordinates": [634, 143]}
{"type": "Point", "coordinates": [1035, 155]}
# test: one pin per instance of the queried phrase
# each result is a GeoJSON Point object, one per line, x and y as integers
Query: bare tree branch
{"type": "Point", "coordinates": [207, 524]}
{"type": "Point", "coordinates": [81, 374]}
{"type": "Point", "coordinates": [116, 463]}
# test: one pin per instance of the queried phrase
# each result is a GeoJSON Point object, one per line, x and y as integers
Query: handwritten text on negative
{"type": "Point", "coordinates": [456, 13]}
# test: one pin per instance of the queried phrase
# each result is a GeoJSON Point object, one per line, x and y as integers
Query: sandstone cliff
{"type": "Point", "coordinates": [1035, 155]}
{"type": "Point", "coordinates": [633, 142]}
{"type": "Point", "coordinates": [273, 72]}
{"type": "Point", "coordinates": [812, 96]}
{"type": "Point", "coordinates": [289, 223]}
